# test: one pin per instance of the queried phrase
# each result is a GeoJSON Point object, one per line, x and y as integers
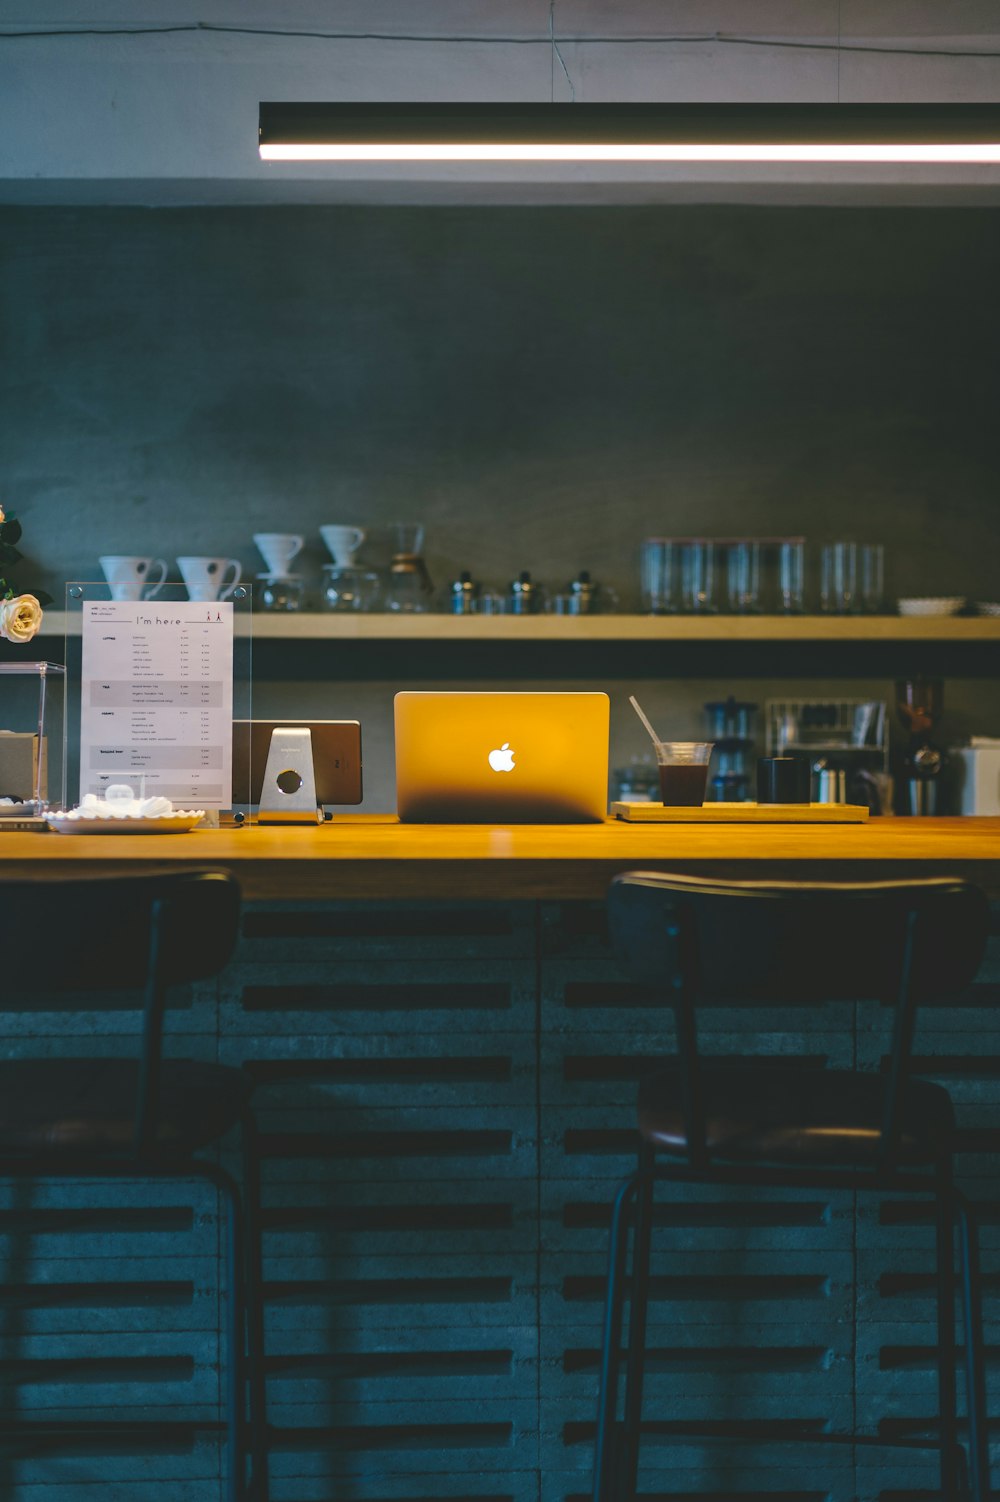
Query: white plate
{"type": "Point", "coordinates": [986, 607]}
{"type": "Point", "coordinates": [946, 605]}
{"type": "Point", "coordinates": [167, 824]}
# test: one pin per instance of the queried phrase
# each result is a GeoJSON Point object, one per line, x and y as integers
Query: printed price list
{"type": "Point", "coordinates": [157, 700]}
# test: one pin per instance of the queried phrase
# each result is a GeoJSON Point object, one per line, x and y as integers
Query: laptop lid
{"type": "Point", "coordinates": [501, 758]}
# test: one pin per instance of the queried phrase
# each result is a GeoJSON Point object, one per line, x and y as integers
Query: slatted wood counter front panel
{"type": "Point", "coordinates": [394, 1052]}
{"type": "Point", "coordinates": [446, 1096]}
{"type": "Point", "coordinates": [109, 1306]}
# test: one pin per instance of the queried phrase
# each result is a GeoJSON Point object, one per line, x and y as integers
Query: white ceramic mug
{"type": "Point", "coordinates": [343, 543]}
{"type": "Point", "coordinates": [130, 579]}
{"type": "Point", "coordinates": [278, 549]}
{"type": "Point", "coordinates": [205, 577]}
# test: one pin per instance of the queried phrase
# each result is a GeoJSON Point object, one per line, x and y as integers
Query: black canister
{"type": "Point", "coordinates": [782, 779]}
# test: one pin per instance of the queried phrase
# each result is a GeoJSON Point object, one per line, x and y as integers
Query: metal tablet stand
{"type": "Point", "coordinates": [288, 792]}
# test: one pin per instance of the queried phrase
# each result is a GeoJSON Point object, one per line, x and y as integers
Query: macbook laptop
{"type": "Point", "coordinates": [501, 758]}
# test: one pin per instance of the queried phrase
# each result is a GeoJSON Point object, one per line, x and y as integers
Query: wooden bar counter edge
{"type": "Point", "coordinates": [374, 857]}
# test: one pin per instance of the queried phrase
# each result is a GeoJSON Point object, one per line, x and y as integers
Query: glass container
{"type": "Point", "coordinates": [350, 588]}
{"type": "Point", "coordinates": [657, 576]}
{"type": "Point", "coordinates": [697, 561]}
{"type": "Point", "coordinates": [872, 567]}
{"type": "Point", "coordinates": [30, 794]}
{"type": "Point", "coordinates": [839, 578]}
{"type": "Point", "coordinates": [743, 576]}
{"type": "Point", "coordinates": [791, 574]}
{"type": "Point", "coordinates": [280, 593]}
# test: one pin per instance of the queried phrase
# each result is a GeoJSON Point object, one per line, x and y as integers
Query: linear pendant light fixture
{"type": "Point", "coordinates": [933, 133]}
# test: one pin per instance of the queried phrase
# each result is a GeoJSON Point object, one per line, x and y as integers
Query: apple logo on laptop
{"type": "Point", "coordinates": [502, 760]}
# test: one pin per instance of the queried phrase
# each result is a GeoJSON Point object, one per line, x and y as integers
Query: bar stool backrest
{"type": "Point", "coordinates": [102, 936]}
{"type": "Point", "coordinates": [698, 940]}
{"type": "Point", "coordinates": [94, 933]}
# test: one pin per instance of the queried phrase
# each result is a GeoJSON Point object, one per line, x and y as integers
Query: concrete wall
{"type": "Point", "coordinates": [542, 387]}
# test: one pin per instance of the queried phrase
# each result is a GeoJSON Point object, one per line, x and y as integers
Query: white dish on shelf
{"type": "Point", "coordinates": [945, 605]}
{"type": "Point", "coordinates": [987, 607]}
{"type": "Point", "coordinates": [177, 823]}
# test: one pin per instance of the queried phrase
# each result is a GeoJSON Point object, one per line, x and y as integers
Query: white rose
{"type": "Point", "coordinates": [20, 618]}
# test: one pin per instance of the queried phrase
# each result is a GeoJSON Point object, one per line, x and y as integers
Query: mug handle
{"type": "Point", "coordinates": [359, 536]}
{"type": "Point", "coordinates": [155, 590]}
{"type": "Point", "coordinates": [227, 592]}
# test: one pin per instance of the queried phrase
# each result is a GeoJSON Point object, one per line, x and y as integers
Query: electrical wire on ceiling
{"type": "Point", "coordinates": [720, 38]}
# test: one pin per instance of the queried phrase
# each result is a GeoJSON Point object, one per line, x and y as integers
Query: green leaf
{"type": "Point", "coordinates": [10, 530]}
{"type": "Point", "coordinates": [42, 598]}
{"type": "Point", "coordinates": [9, 555]}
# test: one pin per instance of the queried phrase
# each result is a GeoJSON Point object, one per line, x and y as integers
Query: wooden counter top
{"type": "Point", "coordinates": [373, 856]}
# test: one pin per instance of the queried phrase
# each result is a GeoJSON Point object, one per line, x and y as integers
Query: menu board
{"type": "Point", "coordinates": [157, 700]}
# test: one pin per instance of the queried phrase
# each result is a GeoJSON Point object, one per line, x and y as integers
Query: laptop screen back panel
{"type": "Point", "coordinates": [497, 758]}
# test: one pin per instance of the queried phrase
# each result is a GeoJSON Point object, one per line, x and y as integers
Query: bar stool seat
{"type": "Point", "coordinates": [763, 1114]}
{"type": "Point", "coordinates": [700, 942]}
{"type": "Point", "coordinates": [77, 1105]}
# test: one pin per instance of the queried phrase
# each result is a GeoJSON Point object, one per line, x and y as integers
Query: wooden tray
{"type": "Point", "coordinates": [742, 813]}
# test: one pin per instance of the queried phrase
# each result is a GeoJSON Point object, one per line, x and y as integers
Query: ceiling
{"type": "Point", "coordinates": [108, 109]}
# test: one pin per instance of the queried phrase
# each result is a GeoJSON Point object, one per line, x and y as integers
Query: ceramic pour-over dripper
{"type": "Point", "coordinates": [343, 543]}
{"type": "Point", "coordinates": [278, 549]}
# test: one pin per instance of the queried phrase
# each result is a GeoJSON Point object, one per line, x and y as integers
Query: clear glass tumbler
{"type": "Point", "coordinates": [872, 562]}
{"type": "Point", "coordinates": [791, 574]}
{"type": "Point", "coordinates": [697, 557]}
{"type": "Point", "coordinates": [839, 578]}
{"type": "Point", "coordinates": [743, 576]}
{"type": "Point", "coordinates": [657, 576]}
{"type": "Point", "coordinates": [683, 767]}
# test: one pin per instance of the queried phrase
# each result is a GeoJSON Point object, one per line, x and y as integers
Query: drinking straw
{"type": "Point", "coordinates": [638, 709]}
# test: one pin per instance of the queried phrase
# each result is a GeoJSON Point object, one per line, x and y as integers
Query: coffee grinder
{"type": "Point", "coordinates": [919, 706]}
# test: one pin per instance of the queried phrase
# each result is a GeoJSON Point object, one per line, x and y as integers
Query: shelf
{"type": "Point", "coordinates": [560, 628]}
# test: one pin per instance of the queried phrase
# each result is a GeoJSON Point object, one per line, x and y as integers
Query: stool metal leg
{"type": "Point", "coordinates": [256, 1378]}
{"type": "Point", "coordinates": [975, 1370]}
{"type": "Point", "coordinates": [944, 1218]}
{"type": "Point", "coordinates": [605, 1440]}
{"type": "Point", "coordinates": [638, 1305]}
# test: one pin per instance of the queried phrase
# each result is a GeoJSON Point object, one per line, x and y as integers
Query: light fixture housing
{"type": "Point", "coordinates": [929, 133]}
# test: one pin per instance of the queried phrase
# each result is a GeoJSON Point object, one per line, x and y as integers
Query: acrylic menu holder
{"type": "Point", "coordinates": [153, 688]}
{"type": "Point", "coordinates": [36, 705]}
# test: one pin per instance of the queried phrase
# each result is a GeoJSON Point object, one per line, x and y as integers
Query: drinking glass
{"type": "Point", "coordinates": [697, 575]}
{"type": "Point", "coordinates": [872, 560]}
{"type": "Point", "coordinates": [791, 574]}
{"type": "Point", "coordinates": [656, 576]}
{"type": "Point", "coordinates": [683, 772]}
{"type": "Point", "coordinates": [839, 578]}
{"type": "Point", "coordinates": [490, 602]}
{"type": "Point", "coordinates": [743, 576]}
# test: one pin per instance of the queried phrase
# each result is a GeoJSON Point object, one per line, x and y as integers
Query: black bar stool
{"type": "Point", "coordinates": [142, 1117]}
{"type": "Point", "coordinates": [695, 941]}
